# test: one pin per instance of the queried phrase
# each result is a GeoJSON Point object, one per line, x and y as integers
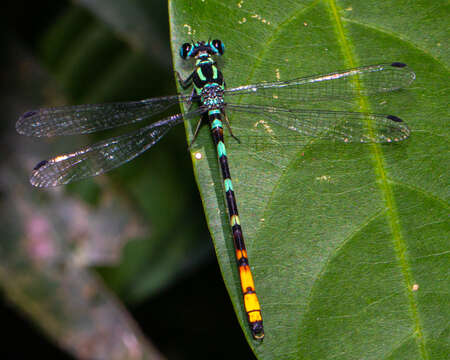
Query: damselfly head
{"type": "Point", "coordinates": [201, 48]}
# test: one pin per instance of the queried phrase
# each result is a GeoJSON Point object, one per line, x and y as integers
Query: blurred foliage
{"type": "Point", "coordinates": [94, 66]}
{"type": "Point", "coordinates": [55, 234]}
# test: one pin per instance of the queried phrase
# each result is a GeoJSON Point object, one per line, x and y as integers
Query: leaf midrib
{"type": "Point", "coordinates": [386, 192]}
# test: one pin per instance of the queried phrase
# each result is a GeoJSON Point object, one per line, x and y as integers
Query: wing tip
{"type": "Point", "coordinates": [25, 124]}
{"type": "Point", "coordinates": [394, 118]}
{"type": "Point", "coordinates": [20, 124]}
{"type": "Point", "coordinates": [398, 64]}
{"type": "Point", "coordinates": [403, 131]}
{"type": "Point", "coordinates": [29, 114]}
{"type": "Point", "coordinates": [38, 177]}
{"type": "Point", "coordinates": [40, 164]}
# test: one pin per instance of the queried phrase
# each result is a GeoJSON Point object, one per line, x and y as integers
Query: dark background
{"type": "Point", "coordinates": [195, 319]}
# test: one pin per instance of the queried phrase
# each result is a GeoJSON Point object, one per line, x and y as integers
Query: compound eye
{"type": "Point", "coordinates": [185, 49]}
{"type": "Point", "coordinates": [220, 47]}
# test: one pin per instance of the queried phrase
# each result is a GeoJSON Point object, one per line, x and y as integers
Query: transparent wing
{"type": "Point", "coordinates": [103, 156]}
{"type": "Point", "coordinates": [83, 119]}
{"type": "Point", "coordinates": [336, 85]}
{"type": "Point", "coordinates": [331, 125]}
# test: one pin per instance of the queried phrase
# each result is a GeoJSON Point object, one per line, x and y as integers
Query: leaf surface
{"type": "Point", "coordinates": [348, 243]}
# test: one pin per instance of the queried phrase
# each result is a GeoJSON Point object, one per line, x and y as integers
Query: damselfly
{"type": "Point", "coordinates": [213, 99]}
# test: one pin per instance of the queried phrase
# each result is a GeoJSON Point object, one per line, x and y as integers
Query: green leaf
{"type": "Point", "coordinates": [348, 243]}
